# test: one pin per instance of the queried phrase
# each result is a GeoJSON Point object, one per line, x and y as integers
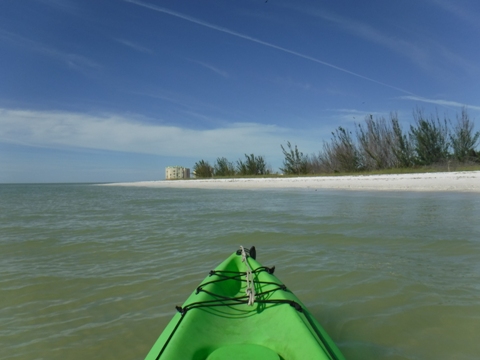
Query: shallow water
{"type": "Point", "coordinates": [95, 272]}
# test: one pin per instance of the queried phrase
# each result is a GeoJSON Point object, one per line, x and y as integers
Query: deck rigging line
{"type": "Point", "coordinates": [249, 298]}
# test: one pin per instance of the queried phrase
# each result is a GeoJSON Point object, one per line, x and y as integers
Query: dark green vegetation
{"type": "Point", "coordinates": [251, 166]}
{"type": "Point", "coordinates": [378, 145]}
{"type": "Point", "coordinates": [295, 162]}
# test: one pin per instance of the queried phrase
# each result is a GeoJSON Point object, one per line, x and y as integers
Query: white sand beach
{"type": "Point", "coordinates": [465, 181]}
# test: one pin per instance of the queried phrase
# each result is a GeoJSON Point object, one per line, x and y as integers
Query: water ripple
{"type": "Point", "coordinates": [95, 272]}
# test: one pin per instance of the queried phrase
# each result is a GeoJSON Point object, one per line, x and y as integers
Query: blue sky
{"type": "Point", "coordinates": [115, 90]}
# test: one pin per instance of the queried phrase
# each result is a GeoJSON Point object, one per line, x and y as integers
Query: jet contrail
{"type": "Point", "coordinates": [258, 41]}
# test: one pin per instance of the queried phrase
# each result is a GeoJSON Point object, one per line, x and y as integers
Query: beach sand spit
{"type": "Point", "coordinates": [465, 181]}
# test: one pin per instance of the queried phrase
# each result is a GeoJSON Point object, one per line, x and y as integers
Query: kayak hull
{"type": "Point", "coordinates": [217, 320]}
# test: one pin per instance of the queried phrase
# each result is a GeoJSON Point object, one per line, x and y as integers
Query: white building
{"type": "Point", "coordinates": [176, 172]}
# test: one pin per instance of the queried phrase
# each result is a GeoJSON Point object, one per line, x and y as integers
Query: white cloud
{"type": "Point", "coordinates": [355, 116]}
{"type": "Point", "coordinates": [417, 54]}
{"type": "Point", "coordinates": [261, 42]}
{"type": "Point", "coordinates": [455, 8]}
{"type": "Point", "coordinates": [62, 130]}
{"type": "Point", "coordinates": [212, 68]}
{"type": "Point", "coordinates": [440, 102]}
{"type": "Point", "coordinates": [134, 46]}
{"type": "Point", "coordinates": [422, 51]}
{"type": "Point", "coordinates": [290, 83]}
{"type": "Point", "coordinates": [74, 61]}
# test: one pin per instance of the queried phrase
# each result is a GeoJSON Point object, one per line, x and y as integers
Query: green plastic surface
{"type": "Point", "coordinates": [244, 352]}
{"type": "Point", "coordinates": [276, 329]}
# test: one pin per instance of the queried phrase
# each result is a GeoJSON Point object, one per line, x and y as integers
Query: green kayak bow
{"type": "Point", "coordinates": [243, 311]}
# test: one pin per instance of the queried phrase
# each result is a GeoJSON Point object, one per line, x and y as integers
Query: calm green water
{"type": "Point", "coordinates": [92, 272]}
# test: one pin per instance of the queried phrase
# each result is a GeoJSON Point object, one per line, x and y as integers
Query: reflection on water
{"type": "Point", "coordinates": [95, 272]}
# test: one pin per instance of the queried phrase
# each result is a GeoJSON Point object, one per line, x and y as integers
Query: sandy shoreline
{"type": "Point", "coordinates": [465, 181]}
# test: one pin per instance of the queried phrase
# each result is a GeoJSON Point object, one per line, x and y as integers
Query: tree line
{"type": "Point", "coordinates": [251, 165]}
{"type": "Point", "coordinates": [377, 144]}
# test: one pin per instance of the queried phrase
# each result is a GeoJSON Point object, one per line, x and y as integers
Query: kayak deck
{"type": "Point", "coordinates": [216, 321]}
